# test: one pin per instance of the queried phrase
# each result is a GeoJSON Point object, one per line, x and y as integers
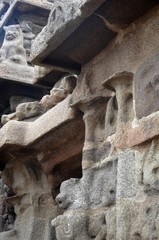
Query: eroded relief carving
{"type": "Point", "coordinates": [32, 196]}
{"type": "Point", "coordinates": [7, 214]}
{"type": "Point", "coordinates": [23, 108]}
{"type": "Point", "coordinates": [80, 226]}
{"type": "Point", "coordinates": [71, 226]}
{"type": "Point", "coordinates": [57, 15]}
{"type": "Point", "coordinates": [12, 48]}
{"type": "Point", "coordinates": [103, 200]}
{"type": "Point", "coordinates": [60, 91]}
{"type": "Point", "coordinates": [61, 13]}
{"type": "Point", "coordinates": [13, 58]}
{"type": "Point", "coordinates": [96, 180]}
{"type": "Point", "coordinates": [28, 109]}
{"type": "Point", "coordinates": [28, 36]}
{"type": "Point", "coordinates": [150, 167]}
{"type": "Point", "coordinates": [96, 189]}
{"type": "Point", "coordinates": [146, 82]}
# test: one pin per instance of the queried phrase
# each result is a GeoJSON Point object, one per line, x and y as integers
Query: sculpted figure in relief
{"type": "Point", "coordinates": [80, 197]}
{"type": "Point", "coordinates": [12, 48]}
{"type": "Point", "coordinates": [60, 91]}
{"type": "Point", "coordinates": [28, 36]}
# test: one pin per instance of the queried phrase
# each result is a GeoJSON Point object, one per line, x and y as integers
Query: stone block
{"type": "Point", "coordinates": [138, 220]}
{"type": "Point", "coordinates": [126, 177]}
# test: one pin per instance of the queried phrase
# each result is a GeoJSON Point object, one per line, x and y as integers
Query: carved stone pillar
{"type": "Point", "coordinates": [122, 84]}
{"type": "Point", "coordinates": [85, 200]}
{"type": "Point", "coordinates": [32, 201]}
{"type": "Point", "coordinates": [95, 147]}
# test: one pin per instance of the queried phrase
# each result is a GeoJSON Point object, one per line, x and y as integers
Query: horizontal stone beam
{"type": "Point", "coordinates": [58, 30]}
{"type": "Point", "coordinates": [26, 133]}
{"type": "Point", "coordinates": [145, 130]}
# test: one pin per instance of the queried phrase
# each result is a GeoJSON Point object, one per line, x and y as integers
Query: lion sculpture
{"type": "Point", "coordinates": [12, 48]}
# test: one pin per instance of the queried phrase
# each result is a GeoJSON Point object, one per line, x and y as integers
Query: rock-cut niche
{"type": "Point", "coordinates": [65, 160]}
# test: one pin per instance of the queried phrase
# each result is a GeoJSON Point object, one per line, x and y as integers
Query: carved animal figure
{"type": "Point", "coordinates": [60, 91]}
{"type": "Point", "coordinates": [28, 36]}
{"type": "Point", "coordinates": [12, 48]}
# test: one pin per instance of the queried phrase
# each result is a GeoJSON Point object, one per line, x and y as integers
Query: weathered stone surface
{"type": "Point", "coordinates": [97, 188]}
{"type": "Point", "coordinates": [60, 91]}
{"type": "Point", "coordinates": [33, 204]}
{"type": "Point", "coordinates": [94, 110]}
{"type": "Point", "coordinates": [28, 36]}
{"type": "Point", "coordinates": [25, 133]}
{"type": "Point", "coordinates": [27, 110]}
{"type": "Point", "coordinates": [13, 61]}
{"type": "Point", "coordinates": [63, 20]}
{"type": "Point", "coordinates": [12, 48]}
{"type": "Point", "coordinates": [7, 118]}
{"type": "Point", "coordinates": [16, 72]}
{"type": "Point", "coordinates": [146, 128]}
{"type": "Point", "coordinates": [71, 226]}
{"type": "Point", "coordinates": [137, 219]}
{"type": "Point", "coordinates": [7, 214]}
{"type": "Point", "coordinates": [121, 83]}
{"type": "Point", "coordinates": [111, 117]}
{"type": "Point", "coordinates": [23, 110]}
{"type": "Point", "coordinates": [14, 101]}
{"type": "Point", "coordinates": [149, 167]}
{"type": "Point", "coordinates": [98, 224]}
{"type": "Point", "coordinates": [126, 177]}
{"type": "Point", "coordinates": [89, 151]}
{"type": "Point", "coordinates": [146, 87]}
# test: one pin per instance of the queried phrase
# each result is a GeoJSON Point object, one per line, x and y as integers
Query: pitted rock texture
{"type": "Point", "coordinates": [62, 89]}
{"type": "Point", "coordinates": [95, 148]}
{"type": "Point", "coordinates": [146, 82]}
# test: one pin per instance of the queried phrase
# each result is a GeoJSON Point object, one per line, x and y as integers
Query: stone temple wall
{"type": "Point", "coordinates": [82, 162]}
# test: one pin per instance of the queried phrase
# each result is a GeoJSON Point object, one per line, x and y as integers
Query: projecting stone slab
{"type": "Point", "coordinates": [56, 139]}
{"type": "Point", "coordinates": [24, 133]}
{"type": "Point", "coordinates": [16, 72]}
{"type": "Point", "coordinates": [73, 36]}
{"type": "Point", "coordinates": [147, 129]}
{"type": "Point", "coordinates": [63, 21]}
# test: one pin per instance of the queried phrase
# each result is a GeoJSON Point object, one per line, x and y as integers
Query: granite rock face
{"type": "Point", "coordinates": [81, 161]}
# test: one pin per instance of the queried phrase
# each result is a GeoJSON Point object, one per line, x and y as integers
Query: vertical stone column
{"type": "Point", "coordinates": [85, 200]}
{"type": "Point", "coordinates": [95, 147]}
{"type": "Point", "coordinates": [33, 203]}
{"type": "Point", "coordinates": [122, 84]}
